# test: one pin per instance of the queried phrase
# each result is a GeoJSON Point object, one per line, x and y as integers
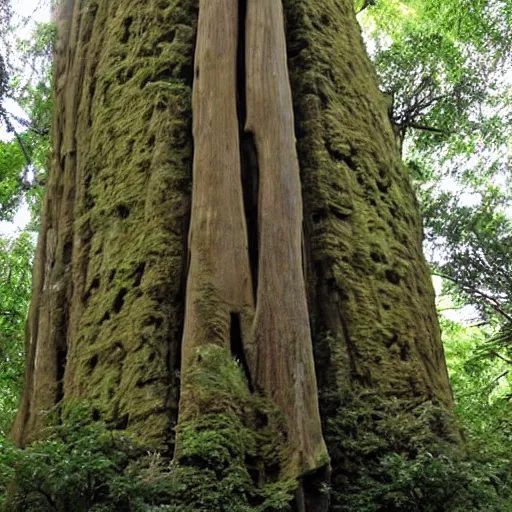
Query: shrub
{"type": "Point", "coordinates": [82, 466]}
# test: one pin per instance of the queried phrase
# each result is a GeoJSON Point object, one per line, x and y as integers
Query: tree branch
{"type": "Point", "coordinates": [30, 126]}
{"type": "Point", "coordinates": [479, 324]}
{"type": "Point", "coordinates": [23, 148]}
{"type": "Point", "coordinates": [426, 128]}
{"type": "Point", "coordinates": [468, 289]}
{"type": "Point", "coordinates": [497, 379]}
{"type": "Point", "coordinates": [10, 128]}
{"type": "Point", "coordinates": [499, 356]}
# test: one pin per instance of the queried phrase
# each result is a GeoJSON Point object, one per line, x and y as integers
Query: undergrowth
{"type": "Point", "coordinates": [394, 456]}
{"type": "Point", "coordinates": [83, 466]}
{"type": "Point", "coordinates": [388, 456]}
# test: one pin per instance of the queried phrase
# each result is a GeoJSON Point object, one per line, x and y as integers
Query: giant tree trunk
{"type": "Point", "coordinates": [226, 211]}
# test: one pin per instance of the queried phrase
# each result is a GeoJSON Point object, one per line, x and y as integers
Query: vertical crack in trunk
{"type": "Point", "coordinates": [246, 222]}
{"type": "Point", "coordinates": [60, 362]}
{"type": "Point", "coordinates": [250, 183]}
{"type": "Point", "coordinates": [248, 151]}
{"type": "Point", "coordinates": [237, 347]}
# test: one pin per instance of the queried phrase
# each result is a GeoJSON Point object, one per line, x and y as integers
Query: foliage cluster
{"type": "Point", "coordinates": [15, 285]}
{"type": "Point", "coordinates": [482, 390]}
{"type": "Point", "coordinates": [25, 116]}
{"type": "Point", "coordinates": [394, 463]}
{"type": "Point", "coordinates": [399, 463]}
{"type": "Point", "coordinates": [83, 465]}
{"type": "Point", "coordinates": [443, 63]}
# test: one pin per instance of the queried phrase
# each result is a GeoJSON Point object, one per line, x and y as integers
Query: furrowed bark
{"type": "Point", "coordinates": [369, 285]}
{"type": "Point", "coordinates": [375, 332]}
{"type": "Point", "coordinates": [114, 220]}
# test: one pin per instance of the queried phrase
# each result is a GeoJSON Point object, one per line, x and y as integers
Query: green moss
{"type": "Point", "coordinates": [369, 285]}
{"type": "Point", "coordinates": [232, 439]}
{"type": "Point", "coordinates": [214, 383]}
{"type": "Point", "coordinates": [134, 152]}
{"type": "Point", "coordinates": [371, 300]}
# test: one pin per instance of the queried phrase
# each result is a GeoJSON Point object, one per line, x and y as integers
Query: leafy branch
{"type": "Point", "coordinates": [491, 301]}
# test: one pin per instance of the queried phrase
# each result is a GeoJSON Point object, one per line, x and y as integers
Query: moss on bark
{"type": "Point", "coordinates": [371, 299]}
{"type": "Point", "coordinates": [122, 139]}
{"type": "Point", "coordinates": [231, 439]}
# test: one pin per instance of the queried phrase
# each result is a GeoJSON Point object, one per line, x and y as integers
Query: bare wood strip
{"type": "Point", "coordinates": [283, 365]}
{"type": "Point", "coordinates": [219, 278]}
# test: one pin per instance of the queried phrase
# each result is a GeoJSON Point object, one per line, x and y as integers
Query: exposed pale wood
{"type": "Point", "coordinates": [283, 365]}
{"type": "Point", "coordinates": [219, 278]}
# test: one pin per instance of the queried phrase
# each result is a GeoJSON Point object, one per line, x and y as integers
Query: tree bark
{"type": "Point", "coordinates": [109, 272]}
{"type": "Point", "coordinates": [283, 358]}
{"type": "Point", "coordinates": [376, 336]}
{"type": "Point", "coordinates": [226, 201]}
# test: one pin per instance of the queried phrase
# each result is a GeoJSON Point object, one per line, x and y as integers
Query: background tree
{"type": "Point", "coordinates": [25, 111]}
{"type": "Point", "coordinates": [15, 263]}
{"type": "Point", "coordinates": [23, 155]}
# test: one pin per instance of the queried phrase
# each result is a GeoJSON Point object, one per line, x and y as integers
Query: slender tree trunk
{"type": "Point", "coordinates": [228, 238]}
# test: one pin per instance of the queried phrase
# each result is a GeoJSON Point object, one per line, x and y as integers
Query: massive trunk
{"type": "Point", "coordinates": [225, 187]}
